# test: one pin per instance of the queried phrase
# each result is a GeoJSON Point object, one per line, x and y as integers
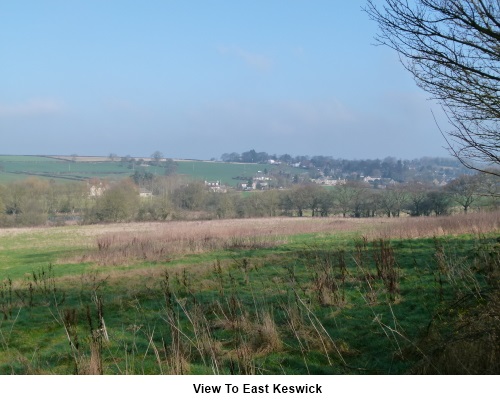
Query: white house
{"type": "Point", "coordinates": [144, 193]}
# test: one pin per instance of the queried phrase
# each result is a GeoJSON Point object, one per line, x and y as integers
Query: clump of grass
{"type": "Point", "coordinates": [328, 275]}
{"type": "Point", "coordinates": [266, 337]}
{"type": "Point", "coordinates": [7, 302]}
{"type": "Point", "coordinates": [387, 267]}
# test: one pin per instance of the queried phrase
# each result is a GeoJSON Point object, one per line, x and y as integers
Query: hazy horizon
{"type": "Point", "coordinates": [195, 80]}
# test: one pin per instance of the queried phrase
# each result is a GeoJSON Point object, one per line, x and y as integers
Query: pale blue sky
{"type": "Point", "coordinates": [195, 79]}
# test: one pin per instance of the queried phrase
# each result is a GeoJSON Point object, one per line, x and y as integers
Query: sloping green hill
{"type": "Point", "coordinates": [228, 173]}
{"type": "Point", "coordinates": [20, 167]}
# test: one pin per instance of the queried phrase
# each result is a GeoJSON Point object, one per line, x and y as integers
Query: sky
{"type": "Point", "coordinates": [199, 78]}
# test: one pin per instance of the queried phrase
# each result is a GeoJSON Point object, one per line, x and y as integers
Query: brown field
{"type": "Point", "coordinates": [404, 227]}
{"type": "Point", "coordinates": [408, 228]}
{"type": "Point", "coordinates": [121, 244]}
{"type": "Point", "coordinates": [81, 158]}
{"type": "Point", "coordinates": [127, 243]}
{"type": "Point", "coordinates": [95, 158]}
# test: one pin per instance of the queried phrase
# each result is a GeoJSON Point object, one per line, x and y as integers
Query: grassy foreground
{"type": "Point", "coordinates": [267, 296]}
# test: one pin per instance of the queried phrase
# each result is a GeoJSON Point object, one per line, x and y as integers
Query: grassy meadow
{"type": "Point", "coordinates": [253, 296]}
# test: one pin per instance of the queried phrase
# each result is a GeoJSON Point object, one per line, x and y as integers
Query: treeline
{"type": "Point", "coordinates": [357, 199]}
{"type": "Point", "coordinates": [38, 202]}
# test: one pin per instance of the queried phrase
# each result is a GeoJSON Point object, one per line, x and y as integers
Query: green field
{"type": "Point", "coordinates": [246, 297]}
{"type": "Point", "coordinates": [228, 172]}
{"type": "Point", "coordinates": [20, 167]}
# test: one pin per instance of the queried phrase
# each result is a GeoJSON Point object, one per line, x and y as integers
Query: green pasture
{"type": "Point", "coordinates": [20, 167]}
{"type": "Point", "coordinates": [227, 172]}
{"type": "Point", "coordinates": [23, 159]}
{"type": "Point", "coordinates": [211, 312]}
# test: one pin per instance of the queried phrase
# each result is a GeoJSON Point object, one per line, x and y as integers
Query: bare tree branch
{"type": "Point", "coordinates": [452, 49]}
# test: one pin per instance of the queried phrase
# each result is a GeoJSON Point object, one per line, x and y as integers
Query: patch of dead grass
{"type": "Point", "coordinates": [122, 244]}
{"type": "Point", "coordinates": [419, 227]}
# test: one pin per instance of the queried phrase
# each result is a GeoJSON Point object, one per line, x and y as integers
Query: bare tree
{"type": "Point", "coordinates": [417, 195]}
{"type": "Point", "coordinates": [350, 198]}
{"type": "Point", "coordinates": [393, 200]}
{"type": "Point", "coordinates": [465, 190]}
{"type": "Point", "coordinates": [452, 48]}
{"type": "Point", "coordinates": [157, 156]}
{"type": "Point", "coordinates": [490, 185]}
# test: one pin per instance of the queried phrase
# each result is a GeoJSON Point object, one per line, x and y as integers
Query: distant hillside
{"type": "Point", "coordinates": [86, 167]}
{"type": "Point", "coordinates": [228, 173]}
{"type": "Point", "coordinates": [436, 170]}
{"type": "Point", "coordinates": [318, 168]}
{"type": "Point", "coordinates": [20, 167]}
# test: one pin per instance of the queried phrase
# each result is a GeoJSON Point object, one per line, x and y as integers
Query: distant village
{"type": "Point", "coordinates": [321, 170]}
{"type": "Point", "coordinates": [152, 189]}
{"type": "Point", "coordinates": [327, 171]}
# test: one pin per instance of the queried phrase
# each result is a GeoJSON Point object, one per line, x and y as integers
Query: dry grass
{"type": "Point", "coordinates": [481, 222]}
{"type": "Point", "coordinates": [126, 243]}
{"type": "Point", "coordinates": [236, 227]}
{"type": "Point", "coordinates": [418, 227]}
